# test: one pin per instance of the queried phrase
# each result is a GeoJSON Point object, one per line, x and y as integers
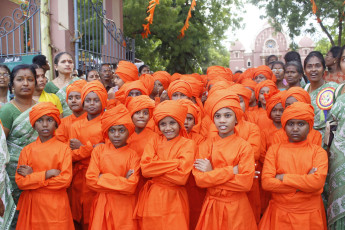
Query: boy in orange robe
{"type": "Point", "coordinates": [114, 174]}
{"type": "Point", "coordinates": [253, 108]}
{"type": "Point", "coordinates": [227, 175]}
{"type": "Point", "coordinates": [289, 97]}
{"type": "Point", "coordinates": [85, 134]}
{"type": "Point", "coordinates": [168, 160]}
{"type": "Point", "coordinates": [261, 89]}
{"type": "Point", "coordinates": [44, 172]}
{"type": "Point", "coordinates": [295, 173]}
{"type": "Point", "coordinates": [73, 97]}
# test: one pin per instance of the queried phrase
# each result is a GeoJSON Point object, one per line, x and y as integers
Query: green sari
{"type": "Point", "coordinates": [61, 93]}
{"type": "Point", "coordinates": [5, 185]}
{"type": "Point", "coordinates": [21, 134]}
{"type": "Point", "coordinates": [336, 198]}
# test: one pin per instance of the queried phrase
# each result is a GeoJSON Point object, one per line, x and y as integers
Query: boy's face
{"type": "Point", "coordinates": [263, 91]}
{"type": "Point", "coordinates": [169, 127]}
{"type": "Point", "coordinates": [92, 104]}
{"type": "Point", "coordinates": [74, 101]}
{"type": "Point", "coordinates": [134, 93]}
{"type": "Point", "coordinates": [242, 103]}
{"type": "Point", "coordinates": [45, 127]}
{"type": "Point", "coordinates": [189, 122]}
{"type": "Point", "coordinates": [140, 118]}
{"type": "Point", "coordinates": [289, 101]}
{"type": "Point", "coordinates": [277, 112]}
{"type": "Point", "coordinates": [178, 95]}
{"type": "Point", "coordinates": [118, 135]}
{"type": "Point", "coordinates": [297, 130]}
{"type": "Point", "coordinates": [225, 121]}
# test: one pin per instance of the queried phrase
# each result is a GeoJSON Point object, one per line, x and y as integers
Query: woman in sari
{"type": "Point", "coordinates": [63, 64]}
{"type": "Point", "coordinates": [4, 80]}
{"type": "Point", "coordinates": [321, 98]}
{"type": "Point", "coordinates": [14, 116]}
{"type": "Point", "coordinates": [336, 205]}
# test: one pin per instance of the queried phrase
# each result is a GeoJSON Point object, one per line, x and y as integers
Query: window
{"type": "Point", "coordinates": [237, 55]}
{"type": "Point", "coordinates": [248, 64]}
{"type": "Point", "coordinates": [270, 44]}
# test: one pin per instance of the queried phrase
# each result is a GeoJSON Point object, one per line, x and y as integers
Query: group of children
{"type": "Point", "coordinates": [247, 157]}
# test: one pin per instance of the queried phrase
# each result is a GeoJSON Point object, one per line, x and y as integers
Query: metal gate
{"type": "Point", "coordinates": [98, 38]}
{"type": "Point", "coordinates": [20, 32]}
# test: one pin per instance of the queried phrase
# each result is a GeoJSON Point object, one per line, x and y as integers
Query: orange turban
{"type": "Point", "coordinates": [267, 83]}
{"type": "Point", "coordinates": [180, 86]}
{"type": "Point", "coordinates": [299, 111]}
{"type": "Point", "coordinates": [242, 91]}
{"type": "Point", "coordinates": [219, 71]}
{"type": "Point", "coordinates": [135, 104]}
{"type": "Point", "coordinates": [218, 85]}
{"type": "Point", "coordinates": [248, 74]}
{"type": "Point", "coordinates": [127, 71]}
{"type": "Point", "coordinates": [197, 86]}
{"type": "Point", "coordinates": [118, 115]}
{"type": "Point", "coordinates": [192, 109]}
{"type": "Point", "coordinates": [175, 76]}
{"type": "Point", "coordinates": [249, 83]}
{"type": "Point", "coordinates": [75, 87]}
{"type": "Point", "coordinates": [164, 77]}
{"type": "Point", "coordinates": [172, 109]}
{"type": "Point", "coordinates": [123, 92]}
{"type": "Point", "coordinates": [149, 82]}
{"type": "Point", "coordinates": [223, 99]}
{"type": "Point", "coordinates": [98, 88]}
{"type": "Point", "coordinates": [44, 108]}
{"type": "Point", "coordinates": [297, 92]}
{"type": "Point", "coordinates": [236, 77]}
{"type": "Point", "coordinates": [272, 99]}
{"type": "Point", "coordinates": [266, 71]}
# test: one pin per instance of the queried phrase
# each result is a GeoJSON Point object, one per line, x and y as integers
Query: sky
{"type": "Point", "coordinates": [253, 25]}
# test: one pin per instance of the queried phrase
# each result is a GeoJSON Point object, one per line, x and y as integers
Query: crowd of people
{"type": "Point", "coordinates": [126, 148]}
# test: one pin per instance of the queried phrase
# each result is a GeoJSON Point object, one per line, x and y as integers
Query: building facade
{"type": "Point", "coordinates": [267, 42]}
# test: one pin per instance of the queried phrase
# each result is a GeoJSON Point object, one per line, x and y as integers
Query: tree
{"type": "Point", "coordinates": [329, 15]}
{"type": "Point", "coordinates": [323, 45]}
{"type": "Point", "coordinates": [201, 46]}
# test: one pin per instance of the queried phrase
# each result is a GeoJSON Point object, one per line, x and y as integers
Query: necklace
{"type": "Point", "coordinates": [20, 108]}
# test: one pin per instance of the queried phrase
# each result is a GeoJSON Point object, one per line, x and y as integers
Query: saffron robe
{"type": "Point", "coordinates": [89, 133]}
{"type": "Point", "coordinates": [44, 203]}
{"type": "Point", "coordinates": [64, 129]}
{"type": "Point", "coordinates": [296, 201]}
{"type": "Point", "coordinates": [115, 200]}
{"type": "Point", "coordinates": [226, 205]}
{"type": "Point", "coordinates": [163, 201]}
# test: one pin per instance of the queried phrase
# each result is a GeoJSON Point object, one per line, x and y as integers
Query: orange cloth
{"type": "Point", "coordinates": [196, 85]}
{"type": "Point", "coordinates": [236, 77]}
{"type": "Point", "coordinates": [141, 102]}
{"type": "Point", "coordinates": [164, 77]}
{"type": "Point", "coordinates": [180, 86]}
{"type": "Point", "coordinates": [217, 85]}
{"type": "Point", "coordinates": [175, 76]}
{"type": "Point", "coordinates": [272, 99]}
{"type": "Point", "coordinates": [249, 83]}
{"type": "Point", "coordinates": [298, 93]}
{"type": "Point", "coordinates": [226, 205]}
{"type": "Point", "coordinates": [266, 71]}
{"type": "Point", "coordinates": [114, 203]}
{"type": "Point", "coordinates": [242, 91]}
{"type": "Point", "coordinates": [267, 83]}
{"type": "Point", "coordinates": [123, 92]}
{"type": "Point", "coordinates": [247, 75]}
{"type": "Point", "coordinates": [75, 87]}
{"type": "Point", "coordinates": [172, 109]}
{"type": "Point", "coordinates": [219, 71]}
{"type": "Point", "coordinates": [44, 108]}
{"type": "Point", "coordinates": [163, 201]}
{"type": "Point", "coordinates": [64, 129]}
{"type": "Point", "coordinates": [299, 111]}
{"type": "Point", "coordinates": [89, 133]}
{"type": "Point", "coordinates": [44, 202]}
{"type": "Point", "coordinates": [127, 71]}
{"type": "Point", "coordinates": [118, 115]}
{"type": "Point", "coordinates": [223, 99]}
{"type": "Point", "coordinates": [149, 82]}
{"type": "Point", "coordinates": [98, 88]}
{"type": "Point", "coordinates": [280, 136]}
{"type": "Point", "coordinates": [296, 200]}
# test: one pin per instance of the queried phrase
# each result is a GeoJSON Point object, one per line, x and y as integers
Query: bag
{"type": "Point", "coordinates": [331, 128]}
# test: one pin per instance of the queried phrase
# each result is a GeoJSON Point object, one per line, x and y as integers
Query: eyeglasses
{"type": "Point", "coordinates": [277, 70]}
{"type": "Point", "coordinates": [4, 75]}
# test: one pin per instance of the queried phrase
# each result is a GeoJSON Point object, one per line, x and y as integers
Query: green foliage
{"type": "Point", "coordinates": [201, 47]}
{"type": "Point", "coordinates": [296, 13]}
{"type": "Point", "coordinates": [323, 45]}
